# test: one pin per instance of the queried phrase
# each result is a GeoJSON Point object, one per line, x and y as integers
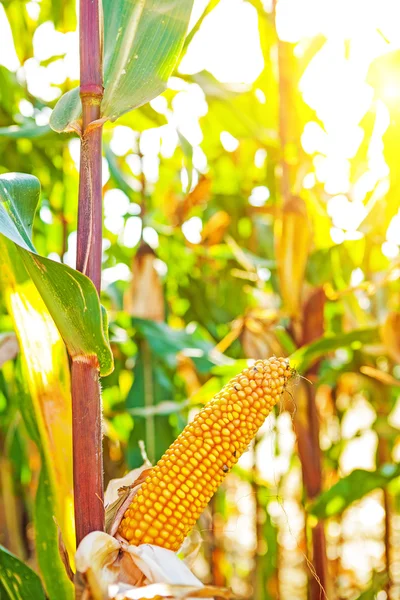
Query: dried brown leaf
{"type": "Point", "coordinates": [379, 375]}
{"type": "Point", "coordinates": [390, 333]}
{"type": "Point", "coordinates": [215, 228]}
{"type": "Point", "coordinates": [9, 347]}
{"type": "Point", "coordinates": [199, 195]}
{"type": "Point", "coordinates": [313, 316]}
{"type": "Point", "coordinates": [64, 553]}
{"type": "Point", "coordinates": [187, 371]}
{"type": "Point", "coordinates": [145, 297]}
{"type": "Point", "coordinates": [119, 495]}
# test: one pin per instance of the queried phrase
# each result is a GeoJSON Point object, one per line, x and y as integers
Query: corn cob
{"type": "Point", "coordinates": [179, 487]}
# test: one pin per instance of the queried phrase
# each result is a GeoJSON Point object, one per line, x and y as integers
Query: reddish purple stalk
{"type": "Point", "coordinates": [86, 401]}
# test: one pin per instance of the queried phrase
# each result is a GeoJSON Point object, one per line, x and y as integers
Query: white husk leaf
{"type": "Point", "coordinates": [119, 494]}
{"type": "Point", "coordinates": [110, 568]}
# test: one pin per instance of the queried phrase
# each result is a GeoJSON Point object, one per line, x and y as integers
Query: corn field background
{"type": "Point", "coordinates": [251, 210]}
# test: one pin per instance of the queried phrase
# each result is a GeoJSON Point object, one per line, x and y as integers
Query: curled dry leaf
{"type": "Point", "coordinates": [9, 347]}
{"type": "Point", "coordinates": [390, 333]}
{"type": "Point", "coordinates": [379, 375]}
{"type": "Point", "coordinates": [144, 297]}
{"type": "Point", "coordinates": [109, 569]}
{"type": "Point", "coordinates": [119, 495]}
{"type": "Point", "coordinates": [187, 371]}
{"type": "Point", "coordinates": [191, 547]}
{"type": "Point", "coordinates": [198, 196]}
{"type": "Point", "coordinates": [313, 316]}
{"type": "Point", "coordinates": [215, 228]}
{"type": "Point", "coordinates": [257, 337]}
{"type": "Point", "coordinates": [64, 553]}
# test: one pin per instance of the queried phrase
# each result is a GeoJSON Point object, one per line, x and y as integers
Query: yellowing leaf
{"type": "Point", "coordinates": [390, 333]}
{"type": "Point", "coordinates": [45, 372]}
{"type": "Point", "coordinates": [215, 228]}
{"type": "Point", "coordinates": [292, 249]}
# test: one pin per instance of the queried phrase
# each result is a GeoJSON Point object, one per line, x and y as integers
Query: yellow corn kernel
{"type": "Point", "coordinates": [204, 471]}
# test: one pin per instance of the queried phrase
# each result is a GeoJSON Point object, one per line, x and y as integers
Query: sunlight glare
{"type": "Point", "coordinates": [191, 229]}
{"type": "Point", "coordinates": [232, 54]}
{"type": "Point", "coordinates": [8, 54]}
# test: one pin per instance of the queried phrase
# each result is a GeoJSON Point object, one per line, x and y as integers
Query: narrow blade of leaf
{"type": "Point", "coordinates": [142, 43]}
{"type": "Point", "coordinates": [45, 404]}
{"type": "Point", "coordinates": [307, 355]}
{"type": "Point", "coordinates": [351, 488]}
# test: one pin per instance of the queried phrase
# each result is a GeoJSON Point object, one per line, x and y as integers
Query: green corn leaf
{"type": "Point", "coordinates": [167, 342]}
{"type": "Point", "coordinates": [142, 43]}
{"type": "Point", "coordinates": [28, 130]}
{"type": "Point", "coordinates": [70, 297]}
{"type": "Point", "coordinates": [304, 357]}
{"type": "Point", "coordinates": [351, 488]}
{"type": "Point", "coordinates": [17, 581]}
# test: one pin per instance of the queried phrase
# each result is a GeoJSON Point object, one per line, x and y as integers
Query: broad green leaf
{"type": "Point", "coordinates": [167, 342]}
{"type": "Point", "coordinates": [18, 581]}
{"type": "Point", "coordinates": [305, 356]}
{"type": "Point", "coordinates": [45, 404]}
{"type": "Point", "coordinates": [284, 339]}
{"type": "Point", "coordinates": [142, 43]}
{"type": "Point", "coordinates": [232, 369]}
{"type": "Point", "coordinates": [67, 111]}
{"type": "Point", "coordinates": [29, 130]}
{"type": "Point", "coordinates": [350, 488]}
{"type": "Point", "coordinates": [378, 583]}
{"type": "Point", "coordinates": [69, 296]}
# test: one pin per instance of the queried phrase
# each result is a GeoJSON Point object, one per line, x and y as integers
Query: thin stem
{"type": "Point", "coordinates": [89, 240]}
{"type": "Point", "coordinates": [86, 400]}
{"type": "Point", "coordinates": [307, 430]}
{"type": "Point", "coordinates": [383, 456]}
{"type": "Point", "coordinates": [149, 400]}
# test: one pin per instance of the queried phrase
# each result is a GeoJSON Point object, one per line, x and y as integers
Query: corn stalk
{"type": "Point", "coordinates": [293, 242]}
{"type": "Point", "coordinates": [86, 401]}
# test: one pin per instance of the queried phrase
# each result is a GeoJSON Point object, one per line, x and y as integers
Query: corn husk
{"type": "Point", "coordinates": [111, 569]}
{"type": "Point", "coordinates": [144, 297]}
